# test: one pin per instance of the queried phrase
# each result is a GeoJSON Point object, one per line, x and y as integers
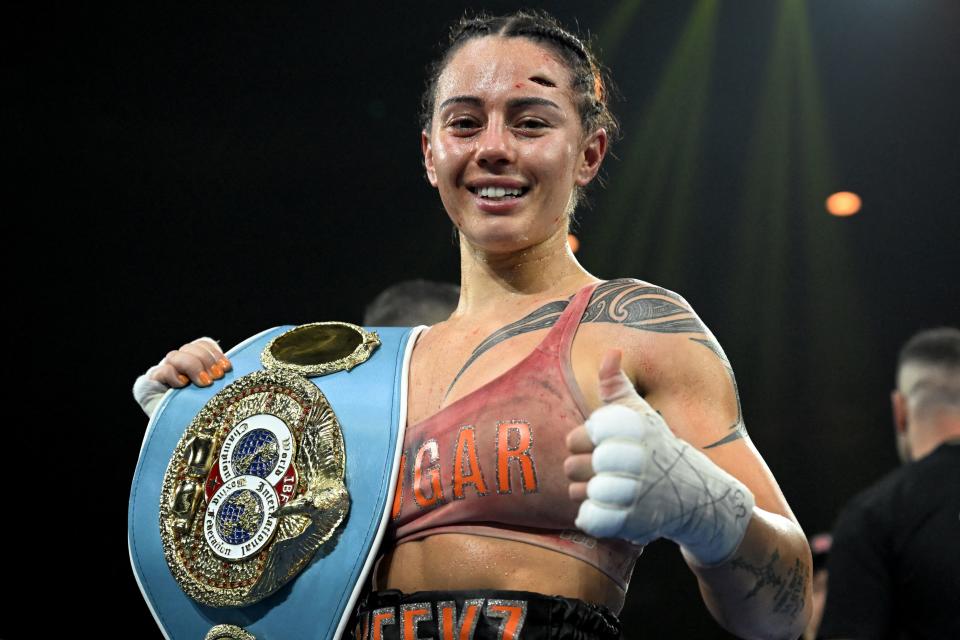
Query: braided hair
{"type": "Point", "coordinates": [589, 83]}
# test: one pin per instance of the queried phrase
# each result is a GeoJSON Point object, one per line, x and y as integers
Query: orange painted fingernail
{"type": "Point", "coordinates": [204, 378]}
{"type": "Point", "coordinates": [224, 364]}
{"type": "Point", "coordinates": [183, 379]}
{"type": "Point", "coordinates": [216, 371]}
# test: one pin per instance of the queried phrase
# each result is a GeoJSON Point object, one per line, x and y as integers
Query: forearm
{"type": "Point", "coordinates": [763, 590]}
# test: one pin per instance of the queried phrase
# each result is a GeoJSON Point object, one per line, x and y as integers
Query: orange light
{"type": "Point", "coordinates": [843, 203]}
{"type": "Point", "coordinates": [573, 242]}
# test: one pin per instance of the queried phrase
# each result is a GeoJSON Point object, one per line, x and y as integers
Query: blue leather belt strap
{"type": "Point", "coordinates": [370, 404]}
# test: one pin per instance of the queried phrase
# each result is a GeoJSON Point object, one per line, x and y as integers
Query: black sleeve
{"type": "Point", "coordinates": [859, 586]}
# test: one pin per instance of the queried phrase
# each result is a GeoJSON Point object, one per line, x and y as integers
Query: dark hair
{"type": "Point", "coordinates": [590, 84]}
{"type": "Point", "coordinates": [937, 351]}
{"type": "Point", "coordinates": [939, 347]}
{"type": "Point", "coordinates": [412, 302]}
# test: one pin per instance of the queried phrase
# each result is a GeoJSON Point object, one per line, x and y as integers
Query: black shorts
{"type": "Point", "coordinates": [480, 615]}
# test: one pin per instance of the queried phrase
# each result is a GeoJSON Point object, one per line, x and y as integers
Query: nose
{"type": "Point", "coordinates": [495, 145]}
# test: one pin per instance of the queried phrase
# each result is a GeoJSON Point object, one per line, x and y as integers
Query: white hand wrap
{"type": "Point", "coordinates": [650, 484]}
{"type": "Point", "coordinates": [148, 392]}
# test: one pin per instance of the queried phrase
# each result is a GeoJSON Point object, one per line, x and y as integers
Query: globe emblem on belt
{"type": "Point", "coordinates": [239, 517]}
{"type": "Point", "coordinates": [253, 477]}
{"type": "Point", "coordinates": [256, 453]}
{"type": "Point", "coordinates": [260, 445]}
{"type": "Point", "coordinates": [239, 520]}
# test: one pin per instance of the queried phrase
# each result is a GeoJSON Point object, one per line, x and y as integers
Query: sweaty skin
{"type": "Point", "coordinates": [514, 260]}
{"type": "Point", "coordinates": [483, 562]}
{"type": "Point", "coordinates": [505, 118]}
{"type": "Point", "coordinates": [505, 115]}
{"type": "Point", "coordinates": [484, 128]}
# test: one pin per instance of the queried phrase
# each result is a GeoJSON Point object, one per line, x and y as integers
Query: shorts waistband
{"type": "Point", "coordinates": [482, 614]}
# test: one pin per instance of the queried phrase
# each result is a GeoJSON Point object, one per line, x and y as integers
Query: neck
{"type": "Point", "coordinates": [489, 280]}
{"type": "Point", "coordinates": [928, 434]}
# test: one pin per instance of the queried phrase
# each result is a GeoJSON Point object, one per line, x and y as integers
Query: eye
{"type": "Point", "coordinates": [532, 125]}
{"type": "Point", "coordinates": [463, 124]}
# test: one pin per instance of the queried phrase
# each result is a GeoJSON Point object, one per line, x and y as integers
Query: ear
{"type": "Point", "coordinates": [427, 150]}
{"type": "Point", "coordinates": [594, 150]}
{"type": "Point", "coordinates": [899, 404]}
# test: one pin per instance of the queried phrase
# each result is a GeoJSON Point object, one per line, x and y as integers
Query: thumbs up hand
{"type": "Point", "coordinates": [645, 483]}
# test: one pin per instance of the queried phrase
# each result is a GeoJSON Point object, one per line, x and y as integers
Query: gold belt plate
{"type": "Point", "coordinates": [319, 348]}
{"type": "Point", "coordinates": [254, 488]}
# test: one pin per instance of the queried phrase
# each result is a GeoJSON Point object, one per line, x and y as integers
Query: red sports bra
{"type": "Point", "coordinates": [491, 463]}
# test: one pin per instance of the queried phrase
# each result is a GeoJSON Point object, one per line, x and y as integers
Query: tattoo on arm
{"type": "Point", "coordinates": [786, 589]}
{"type": "Point", "coordinates": [738, 429]}
{"type": "Point", "coordinates": [632, 304]}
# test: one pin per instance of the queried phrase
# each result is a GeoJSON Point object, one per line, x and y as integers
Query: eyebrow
{"type": "Point", "coordinates": [513, 103]}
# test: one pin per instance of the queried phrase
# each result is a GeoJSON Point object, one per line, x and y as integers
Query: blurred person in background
{"type": "Point", "coordinates": [411, 303]}
{"type": "Point", "coordinates": [820, 548]}
{"type": "Point", "coordinates": [894, 563]}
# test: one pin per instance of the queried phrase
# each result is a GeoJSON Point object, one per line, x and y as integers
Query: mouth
{"type": "Point", "coordinates": [498, 194]}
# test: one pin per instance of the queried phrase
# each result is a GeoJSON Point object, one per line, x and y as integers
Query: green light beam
{"type": "Point", "coordinates": [761, 238]}
{"type": "Point", "coordinates": [615, 26]}
{"type": "Point", "coordinates": [652, 191]}
{"type": "Point", "coordinates": [833, 301]}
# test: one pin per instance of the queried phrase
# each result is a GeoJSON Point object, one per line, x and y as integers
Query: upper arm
{"type": "Point", "coordinates": [686, 376]}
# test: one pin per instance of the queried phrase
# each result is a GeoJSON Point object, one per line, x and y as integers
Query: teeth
{"type": "Point", "coordinates": [497, 192]}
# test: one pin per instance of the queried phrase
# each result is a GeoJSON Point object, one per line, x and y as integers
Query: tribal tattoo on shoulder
{"type": "Point", "coordinates": [630, 303]}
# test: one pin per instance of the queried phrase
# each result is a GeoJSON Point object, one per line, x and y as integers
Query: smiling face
{"type": "Point", "coordinates": [505, 147]}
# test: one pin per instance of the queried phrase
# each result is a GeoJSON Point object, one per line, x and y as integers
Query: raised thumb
{"type": "Point", "coordinates": [615, 386]}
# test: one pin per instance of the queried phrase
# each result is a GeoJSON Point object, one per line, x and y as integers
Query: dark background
{"type": "Point", "coordinates": [227, 168]}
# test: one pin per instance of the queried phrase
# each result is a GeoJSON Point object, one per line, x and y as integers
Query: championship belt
{"type": "Point", "coordinates": [259, 502]}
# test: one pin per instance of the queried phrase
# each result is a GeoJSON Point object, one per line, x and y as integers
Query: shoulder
{"type": "Point", "coordinates": [625, 296]}
{"type": "Point", "coordinates": [943, 459]}
{"type": "Point", "coordinates": [657, 328]}
{"type": "Point", "coordinates": [927, 476]}
{"type": "Point", "coordinates": [671, 357]}
{"type": "Point", "coordinates": [644, 311]}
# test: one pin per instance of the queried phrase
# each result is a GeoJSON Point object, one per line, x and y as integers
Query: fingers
{"type": "Point", "coordinates": [578, 440]}
{"type": "Point", "coordinates": [200, 362]}
{"type": "Point", "coordinates": [613, 491]}
{"type": "Point", "coordinates": [190, 365]}
{"type": "Point", "coordinates": [615, 387]}
{"type": "Point", "coordinates": [600, 521]}
{"type": "Point", "coordinates": [579, 468]}
{"type": "Point", "coordinates": [210, 355]}
{"type": "Point", "coordinates": [578, 491]}
{"type": "Point", "coordinates": [610, 364]}
{"type": "Point", "coordinates": [615, 421]}
{"type": "Point", "coordinates": [211, 345]}
{"type": "Point", "coordinates": [168, 375]}
{"type": "Point", "coordinates": [621, 456]}
{"type": "Point", "coordinates": [614, 384]}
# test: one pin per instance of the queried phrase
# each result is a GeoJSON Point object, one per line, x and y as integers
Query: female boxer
{"type": "Point", "coordinates": [556, 421]}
